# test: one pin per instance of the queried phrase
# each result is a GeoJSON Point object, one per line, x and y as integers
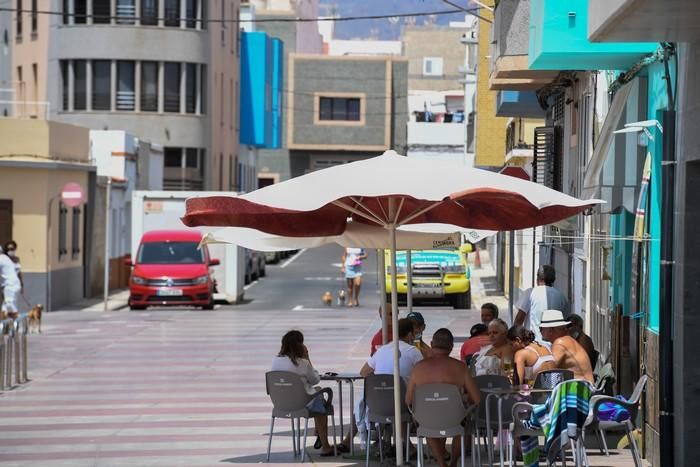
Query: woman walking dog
{"type": "Point", "coordinates": [351, 266]}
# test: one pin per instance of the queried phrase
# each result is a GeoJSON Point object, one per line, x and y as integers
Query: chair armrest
{"type": "Point", "coordinates": [327, 391]}
{"type": "Point", "coordinates": [521, 407]}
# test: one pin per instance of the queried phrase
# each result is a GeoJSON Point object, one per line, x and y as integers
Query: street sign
{"type": "Point", "coordinates": [72, 195]}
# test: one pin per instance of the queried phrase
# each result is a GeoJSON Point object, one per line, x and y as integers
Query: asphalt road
{"type": "Point", "coordinates": [299, 282]}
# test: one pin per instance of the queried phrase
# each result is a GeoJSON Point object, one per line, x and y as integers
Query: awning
{"type": "Point", "coordinates": [614, 170]}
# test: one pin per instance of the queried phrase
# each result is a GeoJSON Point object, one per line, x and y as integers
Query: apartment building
{"type": "Point", "coordinates": [155, 68]}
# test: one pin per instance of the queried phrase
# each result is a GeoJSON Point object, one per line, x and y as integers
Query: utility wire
{"type": "Point", "coordinates": [469, 10]}
{"type": "Point", "coordinates": [239, 20]}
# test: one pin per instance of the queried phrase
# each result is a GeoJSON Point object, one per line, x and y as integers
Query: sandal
{"type": "Point", "coordinates": [317, 443]}
{"type": "Point", "coordinates": [330, 453]}
{"type": "Point", "coordinates": [342, 448]}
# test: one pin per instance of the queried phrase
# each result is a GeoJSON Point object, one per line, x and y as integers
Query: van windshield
{"type": "Point", "coordinates": [170, 253]}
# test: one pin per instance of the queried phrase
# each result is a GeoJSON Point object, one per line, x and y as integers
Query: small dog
{"type": "Point", "coordinates": [327, 298]}
{"type": "Point", "coordinates": [34, 318]}
{"type": "Point", "coordinates": [341, 297]}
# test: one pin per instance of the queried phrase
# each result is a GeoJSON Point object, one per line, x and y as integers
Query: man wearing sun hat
{"type": "Point", "coordinates": [568, 354]}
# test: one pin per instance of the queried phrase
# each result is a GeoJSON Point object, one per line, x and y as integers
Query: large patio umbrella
{"type": "Point", "coordinates": [388, 191]}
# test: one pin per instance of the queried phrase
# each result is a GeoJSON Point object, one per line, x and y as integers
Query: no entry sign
{"type": "Point", "coordinates": [72, 195]}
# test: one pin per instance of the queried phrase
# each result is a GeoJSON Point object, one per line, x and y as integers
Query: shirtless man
{"type": "Point", "coordinates": [568, 354]}
{"type": "Point", "coordinates": [440, 368]}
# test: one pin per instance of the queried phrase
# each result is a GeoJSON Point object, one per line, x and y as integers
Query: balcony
{"type": "Point", "coordinates": [435, 134]}
{"type": "Point", "coordinates": [637, 20]}
{"type": "Point", "coordinates": [518, 104]}
{"type": "Point", "coordinates": [559, 40]}
{"type": "Point", "coordinates": [509, 66]}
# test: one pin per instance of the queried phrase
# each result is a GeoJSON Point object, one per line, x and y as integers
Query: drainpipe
{"type": "Point", "coordinates": [668, 168]}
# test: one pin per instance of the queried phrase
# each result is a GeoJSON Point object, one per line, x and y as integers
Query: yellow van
{"type": "Point", "coordinates": [438, 274]}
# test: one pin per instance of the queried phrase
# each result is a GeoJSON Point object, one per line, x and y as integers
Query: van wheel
{"type": "Point", "coordinates": [136, 307]}
{"type": "Point", "coordinates": [462, 301]}
{"type": "Point", "coordinates": [210, 305]}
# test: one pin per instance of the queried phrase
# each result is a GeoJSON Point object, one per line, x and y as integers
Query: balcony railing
{"type": "Point", "coordinates": [126, 100]}
{"type": "Point", "coordinates": [126, 14]}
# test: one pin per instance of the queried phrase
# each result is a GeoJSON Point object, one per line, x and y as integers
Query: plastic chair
{"type": "Point", "coordinates": [440, 413]}
{"type": "Point", "coordinates": [289, 399]}
{"type": "Point", "coordinates": [549, 379]}
{"type": "Point", "coordinates": [490, 382]}
{"type": "Point", "coordinates": [379, 399]}
{"type": "Point", "coordinates": [631, 404]}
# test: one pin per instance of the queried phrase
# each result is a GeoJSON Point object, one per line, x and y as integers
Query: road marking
{"type": "Point", "coordinates": [289, 261]}
{"type": "Point", "coordinates": [298, 308]}
{"type": "Point", "coordinates": [246, 287]}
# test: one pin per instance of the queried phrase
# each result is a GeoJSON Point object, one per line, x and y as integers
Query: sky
{"type": "Point", "coordinates": [385, 29]}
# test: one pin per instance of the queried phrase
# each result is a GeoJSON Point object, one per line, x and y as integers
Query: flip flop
{"type": "Point", "coordinates": [342, 448]}
{"type": "Point", "coordinates": [317, 443]}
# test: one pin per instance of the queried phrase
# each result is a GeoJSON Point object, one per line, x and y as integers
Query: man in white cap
{"type": "Point", "coordinates": [568, 354]}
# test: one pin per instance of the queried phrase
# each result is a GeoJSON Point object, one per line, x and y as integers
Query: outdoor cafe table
{"type": "Point", "coordinates": [500, 394]}
{"type": "Point", "coordinates": [341, 378]}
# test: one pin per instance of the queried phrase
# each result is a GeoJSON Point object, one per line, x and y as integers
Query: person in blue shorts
{"type": "Point", "coordinates": [351, 266]}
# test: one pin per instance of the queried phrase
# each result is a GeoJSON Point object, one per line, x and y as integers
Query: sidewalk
{"type": "Point", "coordinates": [484, 285]}
{"type": "Point", "coordinates": [117, 300]}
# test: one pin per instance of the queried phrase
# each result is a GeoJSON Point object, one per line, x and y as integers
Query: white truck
{"type": "Point", "coordinates": [158, 210]}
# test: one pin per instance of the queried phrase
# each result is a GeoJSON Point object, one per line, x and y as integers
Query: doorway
{"type": "Point", "coordinates": [5, 220]}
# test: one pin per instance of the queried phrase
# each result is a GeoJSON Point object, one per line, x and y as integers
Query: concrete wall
{"type": "Point", "coordinates": [6, 69]}
{"type": "Point", "coordinates": [490, 130]}
{"type": "Point", "coordinates": [368, 78]}
{"type": "Point", "coordinates": [422, 42]}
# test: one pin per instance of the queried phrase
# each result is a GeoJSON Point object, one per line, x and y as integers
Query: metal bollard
{"type": "Point", "coordinates": [21, 336]}
{"type": "Point", "coordinates": [9, 347]}
{"type": "Point", "coordinates": [16, 351]}
{"type": "Point", "coordinates": [2, 356]}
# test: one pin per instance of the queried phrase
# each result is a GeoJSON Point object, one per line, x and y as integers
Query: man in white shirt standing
{"type": "Point", "coordinates": [537, 299]}
{"type": "Point", "coordinates": [10, 284]}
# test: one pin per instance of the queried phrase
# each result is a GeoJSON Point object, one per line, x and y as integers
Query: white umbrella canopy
{"type": "Point", "coordinates": [356, 234]}
{"type": "Point", "coordinates": [388, 191]}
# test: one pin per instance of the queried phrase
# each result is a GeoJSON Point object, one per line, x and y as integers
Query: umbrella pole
{"type": "Point", "coordinates": [382, 279]}
{"type": "Point", "coordinates": [395, 343]}
{"type": "Point", "coordinates": [409, 280]}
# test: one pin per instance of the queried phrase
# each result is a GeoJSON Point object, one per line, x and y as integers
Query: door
{"type": "Point", "coordinates": [5, 220]}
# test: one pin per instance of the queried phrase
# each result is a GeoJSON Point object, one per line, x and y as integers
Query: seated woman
{"type": "Point", "coordinates": [531, 357]}
{"type": "Point", "coordinates": [490, 360]}
{"type": "Point", "coordinates": [294, 357]}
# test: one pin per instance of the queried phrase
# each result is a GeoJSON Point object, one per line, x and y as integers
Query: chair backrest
{"type": "Point", "coordinates": [439, 407]}
{"type": "Point", "coordinates": [287, 391]}
{"type": "Point", "coordinates": [638, 389]}
{"type": "Point", "coordinates": [605, 377]}
{"type": "Point", "coordinates": [491, 382]}
{"type": "Point", "coordinates": [549, 379]}
{"type": "Point", "coordinates": [379, 397]}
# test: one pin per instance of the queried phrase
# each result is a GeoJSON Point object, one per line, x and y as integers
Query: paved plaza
{"type": "Point", "coordinates": [173, 387]}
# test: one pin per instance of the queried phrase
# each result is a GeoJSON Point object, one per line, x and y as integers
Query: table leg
{"type": "Point", "coordinates": [340, 403]}
{"type": "Point", "coordinates": [352, 414]}
{"type": "Point", "coordinates": [489, 436]}
{"type": "Point", "coordinates": [500, 425]}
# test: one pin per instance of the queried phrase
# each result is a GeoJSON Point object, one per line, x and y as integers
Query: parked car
{"type": "Point", "coordinates": [171, 269]}
{"type": "Point", "coordinates": [273, 257]}
{"type": "Point", "coordinates": [254, 265]}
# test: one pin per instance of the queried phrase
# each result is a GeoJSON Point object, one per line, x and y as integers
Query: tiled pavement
{"type": "Point", "coordinates": [174, 388]}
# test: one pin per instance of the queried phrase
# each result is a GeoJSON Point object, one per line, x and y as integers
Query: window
{"type": "Point", "coordinates": [149, 12]}
{"type": "Point", "coordinates": [65, 85]}
{"type": "Point", "coordinates": [75, 234]}
{"type": "Point", "coordinates": [221, 172]}
{"type": "Point", "coordinates": [191, 158]}
{"type": "Point", "coordinates": [222, 25]}
{"type": "Point", "coordinates": [339, 108]}
{"type": "Point", "coordinates": [126, 12]}
{"type": "Point", "coordinates": [172, 13]}
{"type": "Point", "coordinates": [126, 95]}
{"type": "Point", "coordinates": [191, 13]}
{"type": "Point", "coordinates": [62, 214]}
{"type": "Point", "coordinates": [80, 10]}
{"type": "Point", "coordinates": [172, 87]}
{"type": "Point", "coordinates": [172, 157]}
{"type": "Point", "coordinates": [66, 11]}
{"type": "Point", "coordinates": [20, 13]}
{"type": "Point", "coordinates": [149, 86]}
{"type": "Point", "coordinates": [231, 173]}
{"type": "Point", "coordinates": [35, 17]}
{"type": "Point", "coordinates": [190, 88]}
{"type": "Point", "coordinates": [101, 11]}
{"type": "Point", "coordinates": [79, 84]}
{"type": "Point", "coordinates": [222, 101]}
{"type": "Point", "coordinates": [432, 66]}
{"type": "Point", "coordinates": [203, 88]}
{"type": "Point", "coordinates": [170, 253]}
{"type": "Point", "coordinates": [101, 85]}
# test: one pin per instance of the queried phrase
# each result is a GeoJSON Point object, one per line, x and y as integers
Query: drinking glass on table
{"type": "Point", "coordinates": [529, 376]}
{"type": "Point", "coordinates": [508, 367]}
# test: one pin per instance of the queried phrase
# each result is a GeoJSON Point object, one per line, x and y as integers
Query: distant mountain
{"type": "Point", "coordinates": [390, 28]}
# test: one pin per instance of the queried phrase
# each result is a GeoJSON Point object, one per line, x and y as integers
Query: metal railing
{"type": "Point", "coordinates": [13, 352]}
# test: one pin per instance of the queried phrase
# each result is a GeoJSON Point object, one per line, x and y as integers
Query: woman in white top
{"type": "Point", "coordinates": [490, 360]}
{"type": "Point", "coordinates": [531, 357]}
{"type": "Point", "coordinates": [294, 357]}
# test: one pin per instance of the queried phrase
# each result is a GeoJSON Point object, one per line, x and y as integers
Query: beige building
{"type": "Point", "coordinates": [154, 68]}
{"type": "Point", "coordinates": [37, 158]}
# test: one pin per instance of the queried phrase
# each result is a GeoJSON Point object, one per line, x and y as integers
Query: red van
{"type": "Point", "coordinates": [171, 269]}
